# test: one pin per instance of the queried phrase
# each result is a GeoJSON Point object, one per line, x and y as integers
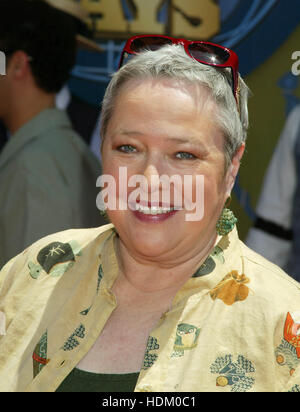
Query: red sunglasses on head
{"type": "Point", "coordinates": [201, 51]}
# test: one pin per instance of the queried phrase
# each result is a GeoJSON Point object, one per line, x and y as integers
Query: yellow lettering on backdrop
{"type": "Point", "coordinates": [205, 10]}
{"type": "Point", "coordinates": [112, 18]}
{"type": "Point", "coordinates": [146, 21]}
{"type": "Point", "coordinates": [194, 19]}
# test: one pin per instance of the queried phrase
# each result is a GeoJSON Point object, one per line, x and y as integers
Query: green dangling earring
{"type": "Point", "coordinates": [104, 214]}
{"type": "Point", "coordinates": [226, 221]}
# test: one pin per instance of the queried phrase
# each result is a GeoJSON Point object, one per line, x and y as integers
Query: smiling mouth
{"type": "Point", "coordinates": [153, 210]}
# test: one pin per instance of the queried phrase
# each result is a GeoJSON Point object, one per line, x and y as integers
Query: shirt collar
{"type": "Point", "coordinates": [109, 259]}
{"type": "Point", "coordinates": [224, 258]}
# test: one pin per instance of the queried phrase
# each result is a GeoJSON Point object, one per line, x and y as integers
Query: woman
{"type": "Point", "coordinates": [158, 300]}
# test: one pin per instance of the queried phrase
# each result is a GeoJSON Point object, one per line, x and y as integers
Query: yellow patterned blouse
{"type": "Point", "coordinates": [233, 327]}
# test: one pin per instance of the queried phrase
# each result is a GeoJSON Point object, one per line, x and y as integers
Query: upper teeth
{"type": "Point", "coordinates": [153, 210]}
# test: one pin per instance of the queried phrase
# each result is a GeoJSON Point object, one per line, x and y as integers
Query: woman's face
{"type": "Point", "coordinates": [161, 128]}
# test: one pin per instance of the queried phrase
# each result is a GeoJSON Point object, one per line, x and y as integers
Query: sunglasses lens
{"type": "Point", "coordinates": [208, 53]}
{"type": "Point", "coordinates": [149, 43]}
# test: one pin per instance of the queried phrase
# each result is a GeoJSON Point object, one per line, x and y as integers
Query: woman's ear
{"type": "Point", "coordinates": [234, 168]}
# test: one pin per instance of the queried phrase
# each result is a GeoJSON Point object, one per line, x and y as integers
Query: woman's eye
{"type": "Point", "coordinates": [126, 148]}
{"type": "Point", "coordinates": [185, 155]}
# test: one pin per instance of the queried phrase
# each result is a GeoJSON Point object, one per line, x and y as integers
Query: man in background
{"type": "Point", "coordinates": [47, 173]}
{"type": "Point", "coordinates": [276, 230]}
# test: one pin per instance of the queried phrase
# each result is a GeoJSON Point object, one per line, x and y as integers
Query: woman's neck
{"type": "Point", "coordinates": [148, 276]}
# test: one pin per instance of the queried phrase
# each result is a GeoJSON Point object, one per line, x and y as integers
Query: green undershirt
{"type": "Point", "coordinates": [82, 381]}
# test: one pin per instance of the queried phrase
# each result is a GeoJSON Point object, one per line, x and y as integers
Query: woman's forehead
{"type": "Point", "coordinates": [163, 99]}
{"type": "Point", "coordinates": [164, 107]}
{"type": "Point", "coordinates": [144, 87]}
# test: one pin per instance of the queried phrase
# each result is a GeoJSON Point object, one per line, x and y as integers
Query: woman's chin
{"type": "Point", "coordinates": [152, 243]}
{"type": "Point", "coordinates": [152, 236]}
{"type": "Point", "coordinates": [150, 249]}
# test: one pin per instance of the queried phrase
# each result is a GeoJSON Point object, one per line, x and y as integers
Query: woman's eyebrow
{"type": "Point", "coordinates": [177, 139]}
{"type": "Point", "coordinates": [129, 132]}
{"type": "Point", "coordinates": [183, 140]}
{"type": "Point", "coordinates": [195, 141]}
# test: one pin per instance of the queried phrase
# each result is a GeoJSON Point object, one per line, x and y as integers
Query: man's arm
{"type": "Point", "coordinates": [271, 235]}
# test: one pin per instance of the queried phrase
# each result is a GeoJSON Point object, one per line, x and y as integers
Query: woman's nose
{"type": "Point", "coordinates": [152, 177]}
{"type": "Point", "coordinates": [151, 171]}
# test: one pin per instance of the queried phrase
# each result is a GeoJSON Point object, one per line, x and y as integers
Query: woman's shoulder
{"type": "Point", "coordinates": [84, 236]}
{"type": "Point", "coordinates": [269, 278]}
{"type": "Point", "coordinates": [52, 255]}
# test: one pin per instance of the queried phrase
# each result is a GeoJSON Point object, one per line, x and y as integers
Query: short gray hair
{"type": "Point", "coordinates": [172, 62]}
